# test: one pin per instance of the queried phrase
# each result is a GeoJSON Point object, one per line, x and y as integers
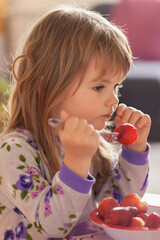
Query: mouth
{"type": "Point", "coordinates": [107, 116]}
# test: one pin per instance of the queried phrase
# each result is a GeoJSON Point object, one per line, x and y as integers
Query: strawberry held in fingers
{"type": "Point", "coordinates": [127, 134]}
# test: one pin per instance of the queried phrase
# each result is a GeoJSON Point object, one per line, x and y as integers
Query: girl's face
{"type": "Point", "coordinates": [96, 98]}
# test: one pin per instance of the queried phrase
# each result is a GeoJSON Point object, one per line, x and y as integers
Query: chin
{"type": "Point", "coordinates": [99, 126]}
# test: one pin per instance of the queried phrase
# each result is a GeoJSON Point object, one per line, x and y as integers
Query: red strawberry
{"type": "Point", "coordinates": [128, 134]}
{"type": "Point", "coordinates": [153, 220]}
{"type": "Point", "coordinates": [120, 215]}
{"type": "Point", "coordinates": [106, 205]}
{"type": "Point", "coordinates": [135, 201]}
{"type": "Point", "coordinates": [142, 215]}
{"type": "Point", "coordinates": [136, 222]}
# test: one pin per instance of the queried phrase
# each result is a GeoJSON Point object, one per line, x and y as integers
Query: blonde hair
{"type": "Point", "coordinates": [58, 49]}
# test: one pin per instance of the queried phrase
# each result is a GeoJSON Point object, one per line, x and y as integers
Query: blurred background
{"type": "Point", "coordinates": [140, 19]}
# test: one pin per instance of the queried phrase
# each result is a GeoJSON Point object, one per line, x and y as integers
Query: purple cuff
{"type": "Point", "coordinates": [75, 181]}
{"type": "Point", "coordinates": [136, 158]}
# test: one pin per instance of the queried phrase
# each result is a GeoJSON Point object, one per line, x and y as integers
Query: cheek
{"type": "Point", "coordinates": [62, 106]}
{"type": "Point", "coordinates": [98, 124]}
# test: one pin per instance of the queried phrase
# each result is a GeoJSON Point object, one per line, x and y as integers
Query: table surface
{"type": "Point", "coordinates": [89, 231]}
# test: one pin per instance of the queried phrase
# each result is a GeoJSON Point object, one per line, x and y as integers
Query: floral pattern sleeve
{"type": "Point", "coordinates": [36, 205]}
{"type": "Point", "coordinates": [129, 175]}
{"type": "Point", "coordinates": [48, 207]}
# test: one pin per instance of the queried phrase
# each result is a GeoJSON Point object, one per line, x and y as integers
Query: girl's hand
{"type": "Point", "coordinates": [137, 118]}
{"type": "Point", "coordinates": [80, 141]}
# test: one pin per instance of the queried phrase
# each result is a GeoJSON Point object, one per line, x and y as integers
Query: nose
{"type": "Point", "coordinates": [113, 101]}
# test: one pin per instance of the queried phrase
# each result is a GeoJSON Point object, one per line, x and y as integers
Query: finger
{"type": "Point", "coordinates": [135, 117]}
{"type": "Point", "coordinates": [128, 112]}
{"type": "Point", "coordinates": [82, 124]}
{"type": "Point", "coordinates": [144, 121]}
{"type": "Point", "coordinates": [89, 129]}
{"type": "Point", "coordinates": [71, 124]}
{"type": "Point", "coordinates": [120, 109]}
{"type": "Point", "coordinates": [96, 136]}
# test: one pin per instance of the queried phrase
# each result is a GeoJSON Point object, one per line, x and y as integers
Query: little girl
{"type": "Point", "coordinates": [71, 67]}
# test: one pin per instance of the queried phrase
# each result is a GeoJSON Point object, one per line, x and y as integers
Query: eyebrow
{"type": "Point", "coordinates": [105, 80]}
{"type": "Point", "coordinates": [99, 79]}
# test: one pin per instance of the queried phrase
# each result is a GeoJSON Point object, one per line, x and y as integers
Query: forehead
{"type": "Point", "coordinates": [97, 68]}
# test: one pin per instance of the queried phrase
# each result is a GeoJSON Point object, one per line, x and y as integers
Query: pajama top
{"type": "Point", "coordinates": [37, 205]}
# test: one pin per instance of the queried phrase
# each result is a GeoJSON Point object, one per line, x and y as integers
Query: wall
{"type": "Point", "coordinates": [21, 13]}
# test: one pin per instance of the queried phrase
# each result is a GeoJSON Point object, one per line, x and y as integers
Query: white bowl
{"type": "Point", "coordinates": [127, 233]}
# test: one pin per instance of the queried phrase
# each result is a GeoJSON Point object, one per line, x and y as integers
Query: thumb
{"type": "Point", "coordinates": [64, 115]}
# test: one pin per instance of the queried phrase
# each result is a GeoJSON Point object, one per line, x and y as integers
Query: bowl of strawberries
{"type": "Point", "coordinates": [132, 219]}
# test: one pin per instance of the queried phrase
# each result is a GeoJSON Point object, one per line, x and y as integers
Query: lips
{"type": "Point", "coordinates": [107, 116]}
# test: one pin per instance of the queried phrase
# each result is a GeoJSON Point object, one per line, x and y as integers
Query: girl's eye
{"type": "Point", "coordinates": [98, 88]}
